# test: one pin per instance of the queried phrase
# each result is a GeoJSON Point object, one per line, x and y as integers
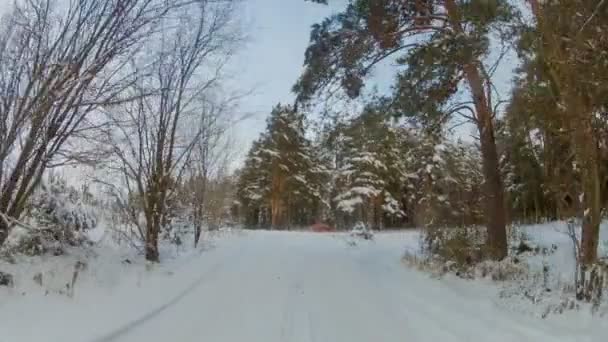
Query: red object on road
{"type": "Point", "coordinates": [321, 228]}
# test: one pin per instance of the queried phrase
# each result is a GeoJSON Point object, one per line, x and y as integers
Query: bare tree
{"type": "Point", "coordinates": [210, 155]}
{"type": "Point", "coordinates": [153, 141]}
{"type": "Point", "coordinates": [59, 61]}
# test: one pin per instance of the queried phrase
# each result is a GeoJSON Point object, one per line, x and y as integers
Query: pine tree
{"type": "Point", "coordinates": [426, 173]}
{"type": "Point", "coordinates": [253, 187]}
{"type": "Point", "coordinates": [570, 49]}
{"type": "Point", "coordinates": [370, 175]}
{"type": "Point", "coordinates": [282, 173]}
{"type": "Point", "coordinates": [440, 43]}
{"type": "Point", "coordinates": [464, 183]}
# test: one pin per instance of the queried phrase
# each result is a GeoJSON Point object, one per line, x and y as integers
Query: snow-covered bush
{"type": "Point", "coordinates": [361, 230]}
{"type": "Point", "coordinates": [449, 250]}
{"type": "Point", "coordinates": [462, 246]}
{"type": "Point", "coordinates": [509, 269]}
{"type": "Point", "coordinates": [57, 215]}
{"type": "Point", "coordinates": [6, 279]}
{"type": "Point", "coordinates": [462, 251]}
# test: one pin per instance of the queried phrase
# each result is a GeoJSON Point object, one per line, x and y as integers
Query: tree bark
{"type": "Point", "coordinates": [152, 244]}
{"type": "Point", "coordinates": [197, 234]}
{"type": "Point", "coordinates": [378, 212]}
{"type": "Point", "coordinates": [277, 212]}
{"type": "Point", "coordinates": [276, 208]}
{"type": "Point", "coordinates": [4, 228]}
{"type": "Point", "coordinates": [155, 214]}
{"type": "Point", "coordinates": [493, 187]}
{"type": "Point", "coordinates": [276, 199]}
{"type": "Point", "coordinates": [591, 217]}
{"type": "Point", "coordinates": [587, 151]}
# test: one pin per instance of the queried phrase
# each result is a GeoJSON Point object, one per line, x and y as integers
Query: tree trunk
{"type": "Point", "coordinates": [377, 212]}
{"type": "Point", "coordinates": [493, 187]}
{"type": "Point", "coordinates": [494, 192]}
{"type": "Point", "coordinates": [4, 228]}
{"type": "Point", "coordinates": [276, 207]}
{"type": "Point", "coordinates": [154, 215]}
{"type": "Point", "coordinates": [152, 243]}
{"type": "Point", "coordinates": [197, 234]}
{"type": "Point", "coordinates": [276, 199]}
{"type": "Point", "coordinates": [587, 151]}
{"type": "Point", "coordinates": [591, 217]}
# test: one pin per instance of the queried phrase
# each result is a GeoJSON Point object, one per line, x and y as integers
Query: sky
{"type": "Point", "coordinates": [272, 59]}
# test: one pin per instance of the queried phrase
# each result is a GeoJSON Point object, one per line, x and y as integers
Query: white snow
{"type": "Point", "coordinates": [272, 153]}
{"type": "Point", "coordinates": [276, 287]}
{"type": "Point", "coordinates": [348, 205]}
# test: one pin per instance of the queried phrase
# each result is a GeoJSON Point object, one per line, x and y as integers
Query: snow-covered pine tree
{"type": "Point", "coordinates": [253, 187]}
{"type": "Point", "coordinates": [426, 179]}
{"type": "Point", "coordinates": [464, 183]}
{"type": "Point", "coordinates": [368, 178]}
{"type": "Point", "coordinates": [283, 172]}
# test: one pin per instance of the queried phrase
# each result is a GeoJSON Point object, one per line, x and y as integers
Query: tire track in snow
{"type": "Point", "coordinates": [459, 309]}
{"type": "Point", "coordinates": [287, 322]}
{"type": "Point", "coordinates": [297, 324]}
{"type": "Point", "coordinates": [127, 328]}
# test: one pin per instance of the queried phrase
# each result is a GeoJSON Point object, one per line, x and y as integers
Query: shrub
{"type": "Point", "coordinates": [591, 283]}
{"type": "Point", "coordinates": [463, 245]}
{"type": "Point", "coordinates": [505, 270]}
{"type": "Point", "coordinates": [361, 230]}
{"type": "Point", "coordinates": [462, 251]}
{"type": "Point", "coordinates": [57, 216]}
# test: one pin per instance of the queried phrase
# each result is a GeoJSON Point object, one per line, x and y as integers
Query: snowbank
{"type": "Point", "coordinates": [539, 282]}
{"type": "Point", "coordinates": [114, 287]}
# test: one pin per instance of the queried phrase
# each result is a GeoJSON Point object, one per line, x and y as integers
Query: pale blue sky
{"type": "Point", "coordinates": [278, 33]}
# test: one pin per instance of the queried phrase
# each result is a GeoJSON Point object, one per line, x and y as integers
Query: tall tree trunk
{"type": "Point", "coordinates": [493, 188]}
{"type": "Point", "coordinates": [276, 199]}
{"type": "Point", "coordinates": [494, 192]}
{"type": "Point", "coordinates": [591, 216]}
{"type": "Point", "coordinates": [378, 212]}
{"type": "Point", "coordinates": [587, 152]}
{"type": "Point", "coordinates": [276, 210]}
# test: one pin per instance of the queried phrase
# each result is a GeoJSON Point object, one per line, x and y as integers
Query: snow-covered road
{"type": "Point", "coordinates": [283, 287]}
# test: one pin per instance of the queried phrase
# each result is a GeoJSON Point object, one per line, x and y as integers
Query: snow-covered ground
{"type": "Point", "coordinates": [267, 287]}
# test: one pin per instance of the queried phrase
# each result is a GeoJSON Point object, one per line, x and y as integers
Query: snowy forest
{"type": "Point", "coordinates": [118, 131]}
{"type": "Point", "coordinates": [537, 155]}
